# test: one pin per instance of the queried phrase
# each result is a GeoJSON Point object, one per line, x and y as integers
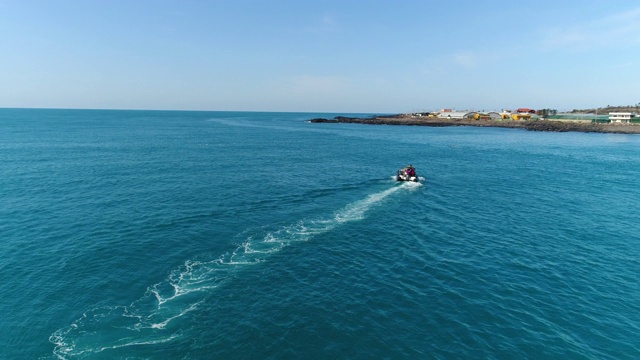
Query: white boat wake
{"type": "Point", "coordinates": [156, 317]}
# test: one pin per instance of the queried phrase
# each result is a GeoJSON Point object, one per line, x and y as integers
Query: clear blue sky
{"type": "Point", "coordinates": [312, 55]}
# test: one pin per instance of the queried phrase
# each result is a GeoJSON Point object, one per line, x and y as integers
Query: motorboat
{"type": "Point", "coordinates": [407, 173]}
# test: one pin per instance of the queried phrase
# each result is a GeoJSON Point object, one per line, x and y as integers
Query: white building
{"type": "Point", "coordinates": [456, 115]}
{"type": "Point", "coordinates": [621, 117]}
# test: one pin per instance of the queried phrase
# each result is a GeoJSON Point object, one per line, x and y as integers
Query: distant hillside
{"type": "Point", "coordinates": [608, 109]}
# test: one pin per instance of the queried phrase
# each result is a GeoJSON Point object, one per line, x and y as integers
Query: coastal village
{"type": "Point", "coordinates": [613, 117]}
{"type": "Point", "coordinates": [618, 119]}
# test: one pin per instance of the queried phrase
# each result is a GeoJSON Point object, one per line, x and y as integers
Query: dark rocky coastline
{"type": "Point", "coordinates": [531, 125]}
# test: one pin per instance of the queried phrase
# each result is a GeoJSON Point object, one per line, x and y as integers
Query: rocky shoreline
{"type": "Point", "coordinates": [531, 125]}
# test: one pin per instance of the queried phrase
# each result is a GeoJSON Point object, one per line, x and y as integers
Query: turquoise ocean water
{"type": "Point", "coordinates": [248, 235]}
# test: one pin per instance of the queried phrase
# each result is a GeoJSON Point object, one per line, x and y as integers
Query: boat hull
{"type": "Point", "coordinates": [403, 176]}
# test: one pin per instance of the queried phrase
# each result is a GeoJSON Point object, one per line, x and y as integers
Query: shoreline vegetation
{"type": "Point", "coordinates": [531, 125]}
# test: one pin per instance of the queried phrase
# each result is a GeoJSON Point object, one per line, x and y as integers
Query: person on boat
{"type": "Point", "coordinates": [411, 171]}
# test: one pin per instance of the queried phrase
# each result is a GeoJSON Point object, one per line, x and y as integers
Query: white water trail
{"type": "Point", "coordinates": [156, 316]}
